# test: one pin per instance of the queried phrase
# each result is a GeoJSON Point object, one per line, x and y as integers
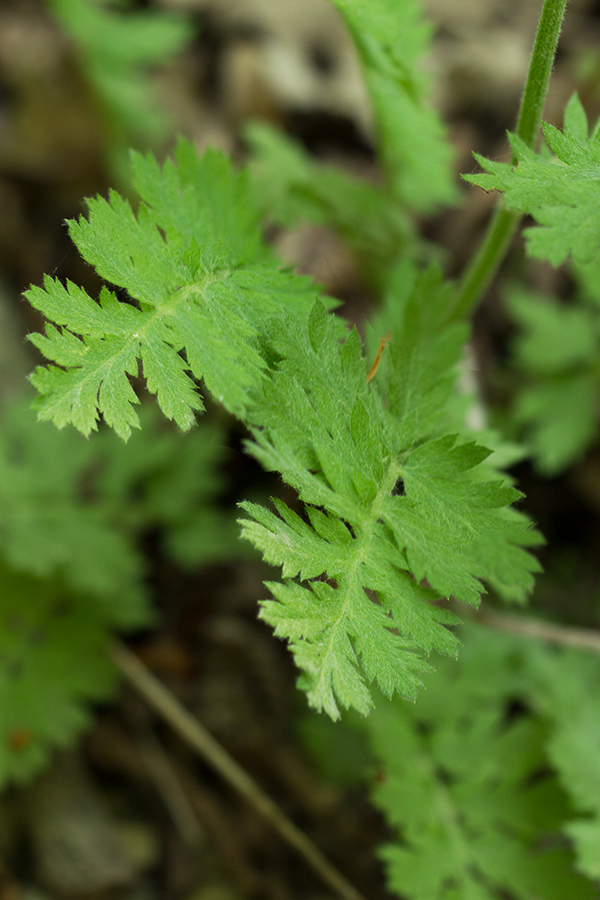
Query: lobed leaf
{"type": "Point", "coordinates": [392, 39]}
{"type": "Point", "coordinates": [561, 192]}
{"type": "Point", "coordinates": [389, 505]}
{"type": "Point", "coordinates": [199, 283]}
{"type": "Point", "coordinates": [466, 784]}
{"type": "Point", "coordinates": [556, 350]}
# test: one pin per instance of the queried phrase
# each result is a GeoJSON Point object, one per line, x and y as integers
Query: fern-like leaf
{"type": "Point", "coordinates": [395, 495]}
{"type": "Point", "coordinates": [467, 785]}
{"type": "Point", "coordinates": [561, 192]}
{"type": "Point", "coordinates": [392, 39]}
{"type": "Point", "coordinates": [198, 281]}
{"type": "Point", "coordinates": [387, 507]}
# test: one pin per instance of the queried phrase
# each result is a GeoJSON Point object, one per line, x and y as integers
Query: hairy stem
{"type": "Point", "coordinates": [503, 224]}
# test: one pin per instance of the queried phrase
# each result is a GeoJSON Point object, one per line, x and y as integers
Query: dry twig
{"type": "Point", "coordinates": [564, 636]}
{"type": "Point", "coordinates": [193, 732]}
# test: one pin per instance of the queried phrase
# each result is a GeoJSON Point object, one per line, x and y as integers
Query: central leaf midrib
{"type": "Point", "coordinates": [134, 340]}
{"type": "Point", "coordinates": [350, 577]}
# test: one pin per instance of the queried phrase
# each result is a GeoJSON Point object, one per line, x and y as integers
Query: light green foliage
{"type": "Point", "coordinates": [392, 39]}
{"type": "Point", "coordinates": [392, 497]}
{"type": "Point", "coordinates": [170, 483]}
{"type": "Point", "coordinates": [567, 689]}
{"type": "Point", "coordinates": [557, 351]}
{"type": "Point", "coordinates": [201, 280]}
{"type": "Point", "coordinates": [82, 505]}
{"type": "Point", "coordinates": [117, 47]}
{"type": "Point", "coordinates": [561, 192]}
{"type": "Point", "coordinates": [394, 512]}
{"type": "Point", "coordinates": [291, 187]}
{"type": "Point", "coordinates": [47, 529]}
{"type": "Point", "coordinates": [587, 278]}
{"type": "Point", "coordinates": [465, 782]}
{"type": "Point", "coordinates": [70, 571]}
{"type": "Point", "coordinates": [53, 663]}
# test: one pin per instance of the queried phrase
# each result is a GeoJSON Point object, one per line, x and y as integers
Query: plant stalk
{"type": "Point", "coordinates": [503, 224]}
{"type": "Point", "coordinates": [196, 735]}
{"type": "Point", "coordinates": [536, 629]}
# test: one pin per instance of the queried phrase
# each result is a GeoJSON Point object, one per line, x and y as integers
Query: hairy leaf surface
{"type": "Point", "coordinates": [560, 191]}
{"type": "Point", "coordinates": [391, 504]}
{"type": "Point", "coordinates": [198, 281]}
{"type": "Point", "coordinates": [401, 509]}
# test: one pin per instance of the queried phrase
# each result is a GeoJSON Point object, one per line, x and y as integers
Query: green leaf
{"type": "Point", "coordinates": [418, 368]}
{"type": "Point", "coordinates": [554, 337]}
{"type": "Point", "coordinates": [392, 39]}
{"type": "Point", "coordinates": [561, 192]}
{"type": "Point", "coordinates": [118, 48]}
{"type": "Point", "coordinates": [394, 494]}
{"type": "Point", "coordinates": [556, 350]}
{"type": "Point", "coordinates": [423, 507]}
{"type": "Point", "coordinates": [559, 419]}
{"type": "Point", "coordinates": [84, 505]}
{"type": "Point", "coordinates": [466, 785]}
{"type": "Point", "coordinates": [48, 529]}
{"type": "Point", "coordinates": [199, 283]}
{"type": "Point", "coordinates": [588, 281]}
{"type": "Point", "coordinates": [452, 527]}
{"type": "Point", "coordinates": [53, 665]}
{"type": "Point", "coordinates": [585, 835]}
{"type": "Point", "coordinates": [568, 685]}
{"type": "Point", "coordinates": [169, 484]}
{"type": "Point", "coordinates": [71, 512]}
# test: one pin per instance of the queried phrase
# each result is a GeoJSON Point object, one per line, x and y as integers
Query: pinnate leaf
{"type": "Point", "coordinates": [392, 39]}
{"type": "Point", "coordinates": [386, 508]}
{"type": "Point", "coordinates": [561, 191]}
{"type": "Point", "coordinates": [467, 786]}
{"type": "Point", "coordinates": [198, 282]}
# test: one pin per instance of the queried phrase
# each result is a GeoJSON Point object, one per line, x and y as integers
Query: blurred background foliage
{"type": "Point", "coordinates": [80, 83]}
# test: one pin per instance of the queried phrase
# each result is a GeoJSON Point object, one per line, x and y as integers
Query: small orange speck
{"type": "Point", "coordinates": [19, 739]}
{"type": "Point", "coordinates": [375, 365]}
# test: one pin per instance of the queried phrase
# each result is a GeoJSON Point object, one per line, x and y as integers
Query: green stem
{"type": "Point", "coordinates": [495, 243]}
